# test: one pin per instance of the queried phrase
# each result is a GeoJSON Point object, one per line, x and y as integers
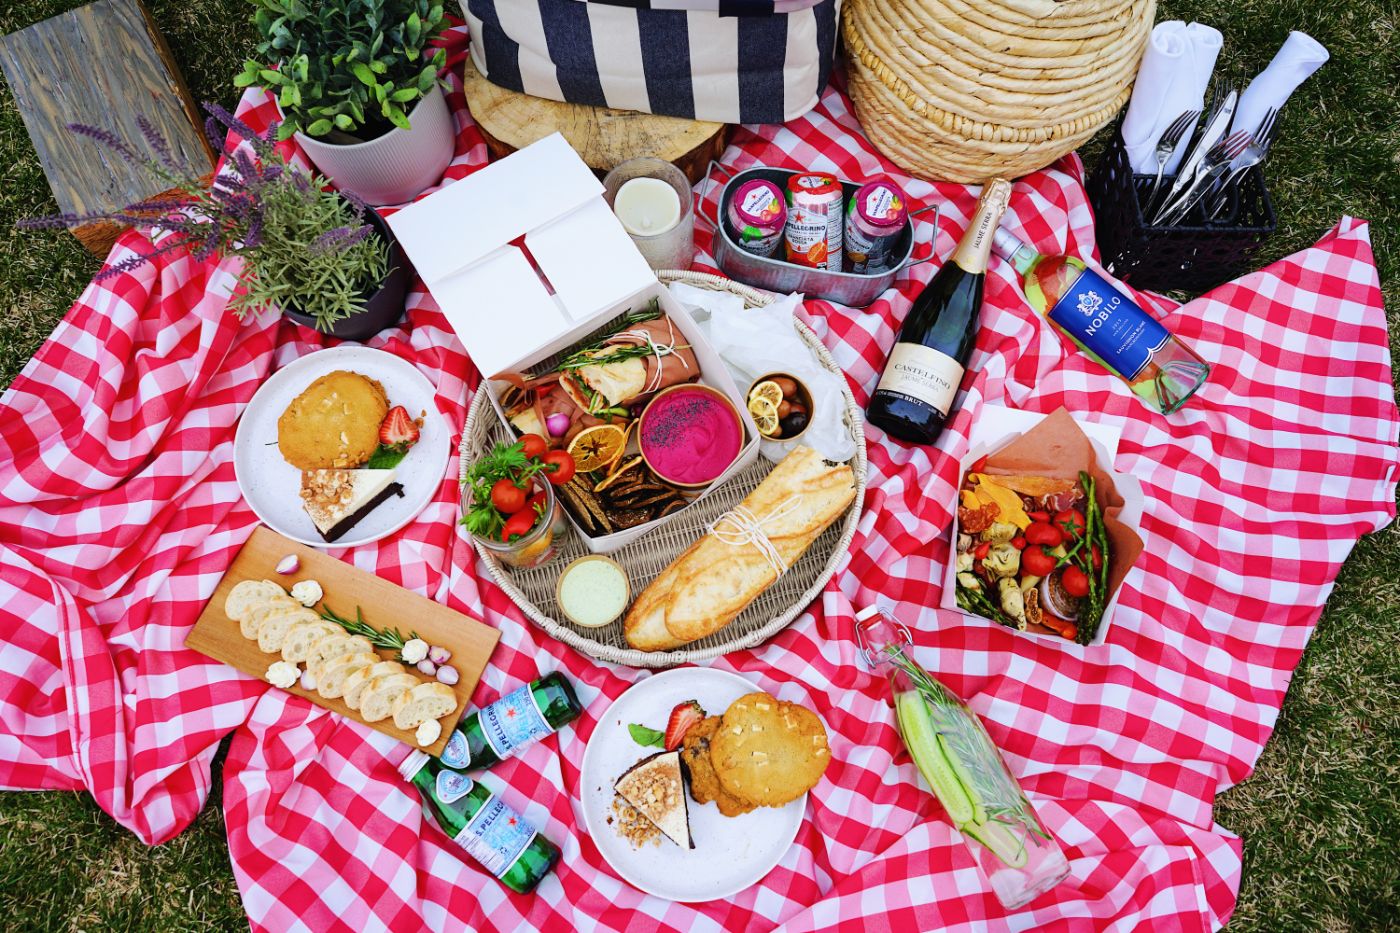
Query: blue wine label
{"type": "Point", "coordinates": [452, 786]}
{"type": "Point", "coordinates": [457, 753]}
{"type": "Point", "coordinates": [1109, 324]}
{"type": "Point", "coordinates": [496, 836]}
{"type": "Point", "coordinates": [513, 722]}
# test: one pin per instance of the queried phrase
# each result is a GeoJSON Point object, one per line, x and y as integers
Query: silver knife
{"type": "Point", "coordinates": [1215, 129]}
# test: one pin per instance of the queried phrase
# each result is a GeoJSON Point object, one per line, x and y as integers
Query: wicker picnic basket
{"type": "Point", "coordinates": [533, 590]}
{"type": "Point", "coordinates": [964, 90]}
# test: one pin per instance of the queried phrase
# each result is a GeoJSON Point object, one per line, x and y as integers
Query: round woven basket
{"type": "Point", "coordinates": [534, 590]}
{"type": "Point", "coordinates": [964, 90]}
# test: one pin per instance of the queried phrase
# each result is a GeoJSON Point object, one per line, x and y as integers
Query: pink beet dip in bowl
{"type": "Point", "coordinates": [690, 434]}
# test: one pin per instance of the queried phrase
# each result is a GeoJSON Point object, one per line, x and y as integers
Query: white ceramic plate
{"type": "Point", "coordinates": [731, 853]}
{"type": "Point", "coordinates": [271, 485]}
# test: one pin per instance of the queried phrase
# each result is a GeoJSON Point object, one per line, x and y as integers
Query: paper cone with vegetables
{"type": "Point", "coordinates": [1044, 534]}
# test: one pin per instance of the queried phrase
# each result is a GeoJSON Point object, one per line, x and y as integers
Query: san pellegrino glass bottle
{"type": "Point", "coordinates": [914, 397]}
{"type": "Point", "coordinates": [478, 821]}
{"type": "Point", "coordinates": [952, 750]}
{"type": "Point", "coordinates": [485, 737]}
{"type": "Point", "coordinates": [1107, 324]}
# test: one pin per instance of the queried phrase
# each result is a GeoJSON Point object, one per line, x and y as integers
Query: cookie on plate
{"type": "Point", "coordinates": [767, 751]}
{"type": "Point", "coordinates": [334, 424]}
{"type": "Point", "coordinates": [704, 782]}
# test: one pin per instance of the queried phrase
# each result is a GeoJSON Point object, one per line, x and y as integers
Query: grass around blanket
{"type": "Point", "coordinates": [1319, 817]}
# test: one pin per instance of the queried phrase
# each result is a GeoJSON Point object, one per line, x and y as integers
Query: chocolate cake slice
{"type": "Point", "coordinates": [337, 499]}
{"type": "Point", "coordinates": [654, 787]}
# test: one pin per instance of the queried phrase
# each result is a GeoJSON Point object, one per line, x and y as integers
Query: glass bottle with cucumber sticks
{"type": "Point", "coordinates": [952, 750]}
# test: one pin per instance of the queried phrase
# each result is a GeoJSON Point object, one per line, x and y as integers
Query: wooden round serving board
{"type": "Point", "coordinates": [604, 137]}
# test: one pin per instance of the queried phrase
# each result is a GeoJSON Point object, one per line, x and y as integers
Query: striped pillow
{"type": "Point", "coordinates": [698, 64]}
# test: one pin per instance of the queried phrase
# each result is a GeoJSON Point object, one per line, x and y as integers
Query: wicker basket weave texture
{"type": "Point", "coordinates": [964, 90]}
{"type": "Point", "coordinates": [534, 590]}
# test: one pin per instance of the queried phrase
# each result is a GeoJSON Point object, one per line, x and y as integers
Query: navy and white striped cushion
{"type": "Point", "coordinates": [683, 63]}
{"type": "Point", "coordinates": [722, 7]}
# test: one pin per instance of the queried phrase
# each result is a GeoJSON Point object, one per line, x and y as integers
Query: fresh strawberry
{"type": "Point", "coordinates": [682, 718]}
{"type": "Point", "coordinates": [398, 429]}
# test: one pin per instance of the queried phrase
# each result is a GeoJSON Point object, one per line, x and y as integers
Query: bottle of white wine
{"type": "Point", "coordinates": [914, 397]}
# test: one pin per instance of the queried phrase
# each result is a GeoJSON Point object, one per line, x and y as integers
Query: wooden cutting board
{"type": "Point", "coordinates": [383, 605]}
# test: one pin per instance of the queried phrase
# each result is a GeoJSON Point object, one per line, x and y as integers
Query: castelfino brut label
{"type": "Point", "coordinates": [922, 374]}
{"type": "Point", "coordinates": [1109, 325]}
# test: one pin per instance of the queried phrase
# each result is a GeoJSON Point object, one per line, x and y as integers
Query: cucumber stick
{"type": "Point", "coordinates": [1004, 842]}
{"type": "Point", "coordinates": [929, 754]}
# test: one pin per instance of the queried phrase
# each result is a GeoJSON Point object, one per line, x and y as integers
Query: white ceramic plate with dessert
{"type": "Point", "coordinates": [731, 853]}
{"type": "Point", "coordinates": [310, 453]}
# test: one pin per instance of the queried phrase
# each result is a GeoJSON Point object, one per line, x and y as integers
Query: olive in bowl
{"type": "Point", "coordinates": [781, 406]}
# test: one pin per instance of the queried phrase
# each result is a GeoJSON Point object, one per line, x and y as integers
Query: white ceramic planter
{"type": "Point", "coordinates": [396, 166]}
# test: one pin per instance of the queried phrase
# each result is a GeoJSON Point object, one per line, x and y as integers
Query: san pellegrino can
{"type": "Point", "coordinates": [814, 220]}
{"type": "Point", "coordinates": [874, 220]}
{"type": "Point", "coordinates": [481, 823]}
{"type": "Point", "coordinates": [757, 216]}
{"type": "Point", "coordinates": [1107, 324]}
{"type": "Point", "coordinates": [486, 737]}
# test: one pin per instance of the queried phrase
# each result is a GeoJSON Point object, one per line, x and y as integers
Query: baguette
{"type": "Point", "coordinates": [712, 581]}
{"type": "Point", "coordinates": [251, 623]}
{"type": "Point", "coordinates": [354, 686]}
{"type": "Point", "coordinates": [425, 701]}
{"type": "Point", "coordinates": [303, 636]}
{"type": "Point", "coordinates": [379, 697]}
{"type": "Point", "coordinates": [278, 623]}
{"type": "Point", "coordinates": [330, 682]}
{"type": "Point", "coordinates": [333, 646]}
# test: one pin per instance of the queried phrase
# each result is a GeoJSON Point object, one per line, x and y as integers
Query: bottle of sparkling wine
{"type": "Point", "coordinates": [478, 821]}
{"type": "Point", "coordinates": [519, 719]}
{"type": "Point", "coordinates": [914, 397]}
{"type": "Point", "coordinates": [952, 750]}
{"type": "Point", "coordinates": [1106, 324]}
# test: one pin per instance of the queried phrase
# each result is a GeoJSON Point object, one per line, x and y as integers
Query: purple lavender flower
{"type": "Point", "coordinates": [339, 239]}
{"type": "Point", "coordinates": [240, 129]}
{"type": "Point", "coordinates": [106, 138]}
{"type": "Point", "coordinates": [157, 143]}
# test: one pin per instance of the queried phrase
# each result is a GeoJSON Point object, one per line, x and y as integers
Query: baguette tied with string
{"type": "Point", "coordinates": [743, 553]}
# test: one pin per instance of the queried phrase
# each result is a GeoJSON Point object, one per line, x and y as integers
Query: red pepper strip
{"type": "Point", "coordinates": [982, 550]}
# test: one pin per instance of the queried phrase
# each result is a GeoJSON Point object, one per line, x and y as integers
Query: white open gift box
{"type": "Point", "coordinates": [992, 430]}
{"type": "Point", "coordinates": [526, 259]}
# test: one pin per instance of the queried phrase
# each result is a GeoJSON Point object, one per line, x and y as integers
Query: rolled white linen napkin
{"type": "Point", "coordinates": [1298, 57]}
{"type": "Point", "coordinates": [1172, 78]}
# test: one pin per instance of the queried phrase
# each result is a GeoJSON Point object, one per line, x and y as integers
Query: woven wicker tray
{"type": "Point", "coordinates": [534, 590]}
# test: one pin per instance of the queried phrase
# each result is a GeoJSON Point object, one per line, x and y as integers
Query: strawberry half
{"type": "Point", "coordinates": [398, 429]}
{"type": "Point", "coordinates": [682, 718]}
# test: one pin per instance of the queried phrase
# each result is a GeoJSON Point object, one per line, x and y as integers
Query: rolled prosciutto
{"type": "Point", "coordinates": [632, 364]}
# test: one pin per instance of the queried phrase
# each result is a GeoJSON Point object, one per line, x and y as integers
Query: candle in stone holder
{"type": "Point", "coordinates": [653, 200]}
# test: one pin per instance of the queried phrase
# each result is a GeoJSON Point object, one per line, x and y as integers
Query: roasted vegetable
{"type": "Point", "coordinates": [1002, 560]}
{"type": "Point", "coordinates": [1000, 532]}
{"type": "Point", "coordinates": [1012, 602]}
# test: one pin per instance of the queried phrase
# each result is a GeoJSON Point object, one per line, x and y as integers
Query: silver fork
{"type": "Point", "coordinates": [1166, 145]}
{"type": "Point", "coordinates": [1216, 163]}
{"type": "Point", "coordinates": [1259, 145]}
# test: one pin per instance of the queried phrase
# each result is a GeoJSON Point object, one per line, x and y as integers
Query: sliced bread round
{"type": "Point", "coordinates": [422, 703]}
{"type": "Point", "coordinates": [303, 636]}
{"type": "Point", "coordinates": [251, 623]}
{"type": "Point", "coordinates": [248, 595]}
{"type": "Point", "coordinates": [278, 623]}
{"type": "Point", "coordinates": [377, 700]}
{"type": "Point", "coordinates": [330, 682]}
{"type": "Point", "coordinates": [356, 683]}
{"type": "Point", "coordinates": [333, 646]}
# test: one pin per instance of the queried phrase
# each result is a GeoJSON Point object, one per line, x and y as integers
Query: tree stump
{"type": "Point", "coordinates": [603, 136]}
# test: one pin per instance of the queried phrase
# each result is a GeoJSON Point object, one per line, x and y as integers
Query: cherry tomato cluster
{"type": "Point", "coordinates": [501, 481]}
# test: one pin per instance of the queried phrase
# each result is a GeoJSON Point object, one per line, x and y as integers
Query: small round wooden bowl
{"type": "Point", "coordinates": [559, 589]}
{"type": "Point", "coordinates": [804, 395]}
{"type": "Point", "coordinates": [688, 386]}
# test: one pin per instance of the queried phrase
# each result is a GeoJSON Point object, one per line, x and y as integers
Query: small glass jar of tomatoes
{"type": "Point", "coordinates": [528, 538]}
{"type": "Point", "coordinates": [508, 502]}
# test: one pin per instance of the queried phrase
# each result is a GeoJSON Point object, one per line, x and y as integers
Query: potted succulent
{"type": "Point", "coordinates": [358, 86]}
{"type": "Point", "coordinates": [323, 258]}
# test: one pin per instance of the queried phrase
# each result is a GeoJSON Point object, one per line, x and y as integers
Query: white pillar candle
{"type": "Point", "coordinates": [647, 206]}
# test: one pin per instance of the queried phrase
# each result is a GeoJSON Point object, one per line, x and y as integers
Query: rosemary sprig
{"type": "Point", "coordinates": [603, 356]}
{"type": "Point", "coordinates": [650, 313]}
{"type": "Point", "coordinates": [390, 638]}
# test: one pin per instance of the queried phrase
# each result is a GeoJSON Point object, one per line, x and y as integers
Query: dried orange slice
{"type": "Point", "coordinates": [597, 447]}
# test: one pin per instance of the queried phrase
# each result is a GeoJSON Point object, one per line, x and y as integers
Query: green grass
{"type": "Point", "coordinates": [1320, 816]}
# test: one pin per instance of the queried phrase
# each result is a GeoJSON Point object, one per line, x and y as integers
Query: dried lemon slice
{"type": "Point", "coordinates": [765, 415]}
{"type": "Point", "coordinates": [769, 390]}
{"type": "Point", "coordinates": [597, 447]}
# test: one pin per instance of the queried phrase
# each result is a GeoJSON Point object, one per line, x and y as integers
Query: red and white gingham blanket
{"type": "Point", "coordinates": [119, 512]}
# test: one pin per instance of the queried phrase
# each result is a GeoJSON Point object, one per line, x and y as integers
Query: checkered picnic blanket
{"type": "Point", "coordinates": [119, 512]}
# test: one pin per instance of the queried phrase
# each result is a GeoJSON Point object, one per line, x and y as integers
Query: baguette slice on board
{"type": "Point", "coordinates": [383, 605]}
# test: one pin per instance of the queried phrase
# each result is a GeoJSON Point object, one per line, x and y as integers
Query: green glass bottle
{"type": "Point", "coordinates": [485, 737]}
{"type": "Point", "coordinates": [477, 820]}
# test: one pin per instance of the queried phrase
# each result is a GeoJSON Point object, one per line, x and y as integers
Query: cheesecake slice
{"type": "Point", "coordinates": [337, 499]}
{"type": "Point", "coordinates": [654, 788]}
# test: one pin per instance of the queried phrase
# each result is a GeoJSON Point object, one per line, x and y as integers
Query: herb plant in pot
{"type": "Point", "coordinates": [358, 87]}
{"type": "Point", "coordinates": [323, 258]}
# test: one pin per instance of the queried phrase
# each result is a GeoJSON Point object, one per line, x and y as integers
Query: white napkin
{"type": "Point", "coordinates": [1172, 78]}
{"type": "Point", "coordinates": [1298, 58]}
{"type": "Point", "coordinates": [754, 342]}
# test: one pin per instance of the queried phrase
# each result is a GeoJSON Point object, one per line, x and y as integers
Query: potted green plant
{"type": "Point", "coordinates": [322, 258]}
{"type": "Point", "coordinates": [357, 81]}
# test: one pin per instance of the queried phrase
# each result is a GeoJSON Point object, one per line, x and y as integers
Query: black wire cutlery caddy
{"type": "Point", "coordinates": [1194, 255]}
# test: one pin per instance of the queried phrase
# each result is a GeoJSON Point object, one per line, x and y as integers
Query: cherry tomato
{"type": "Point", "coordinates": [1036, 562]}
{"type": "Point", "coordinates": [1044, 533]}
{"type": "Point", "coordinates": [536, 503]}
{"type": "Point", "coordinates": [535, 446]}
{"type": "Point", "coordinates": [982, 550]}
{"type": "Point", "coordinates": [1074, 581]}
{"type": "Point", "coordinates": [518, 525]}
{"type": "Point", "coordinates": [1019, 542]}
{"type": "Point", "coordinates": [1039, 516]}
{"type": "Point", "coordinates": [507, 497]}
{"type": "Point", "coordinates": [559, 466]}
{"type": "Point", "coordinates": [1071, 520]}
{"type": "Point", "coordinates": [1098, 557]}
